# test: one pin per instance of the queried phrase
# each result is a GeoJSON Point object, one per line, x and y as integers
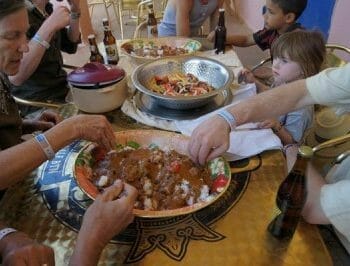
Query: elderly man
{"type": "Point", "coordinates": [41, 75]}
{"type": "Point", "coordinates": [328, 201]}
{"type": "Point", "coordinates": [107, 216]}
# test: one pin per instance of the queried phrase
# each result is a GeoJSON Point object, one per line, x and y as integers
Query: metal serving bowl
{"type": "Point", "coordinates": [208, 70]}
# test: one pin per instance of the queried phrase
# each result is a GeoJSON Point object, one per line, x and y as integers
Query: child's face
{"type": "Point", "coordinates": [274, 18]}
{"type": "Point", "coordinates": [285, 70]}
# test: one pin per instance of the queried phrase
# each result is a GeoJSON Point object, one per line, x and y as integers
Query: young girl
{"type": "Point", "coordinates": [295, 55]}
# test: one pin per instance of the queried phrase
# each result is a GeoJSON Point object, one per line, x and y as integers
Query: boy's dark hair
{"type": "Point", "coordinates": [8, 7]}
{"type": "Point", "coordinates": [307, 48]}
{"type": "Point", "coordinates": [292, 6]}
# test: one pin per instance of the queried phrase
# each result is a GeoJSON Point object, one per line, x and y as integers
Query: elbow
{"type": "Point", "coordinates": [16, 81]}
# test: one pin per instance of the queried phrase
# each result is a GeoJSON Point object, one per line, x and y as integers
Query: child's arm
{"type": "Point", "coordinates": [240, 40]}
{"type": "Point", "coordinates": [245, 75]}
{"type": "Point", "coordinates": [279, 130]}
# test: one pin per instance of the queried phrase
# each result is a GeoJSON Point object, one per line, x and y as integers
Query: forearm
{"type": "Point", "coordinates": [240, 40]}
{"type": "Point", "coordinates": [284, 135]}
{"type": "Point", "coordinates": [14, 169]}
{"type": "Point", "coordinates": [33, 57]}
{"type": "Point", "coordinates": [74, 28]}
{"type": "Point", "coordinates": [285, 98]}
{"type": "Point", "coordinates": [86, 252]}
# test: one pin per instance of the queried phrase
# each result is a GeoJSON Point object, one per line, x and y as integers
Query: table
{"type": "Point", "coordinates": [233, 236]}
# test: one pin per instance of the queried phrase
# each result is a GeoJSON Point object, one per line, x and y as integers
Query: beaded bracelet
{"type": "Point", "coordinates": [228, 117]}
{"type": "Point", "coordinates": [45, 145]}
{"type": "Point", "coordinates": [37, 38]}
{"type": "Point", "coordinates": [6, 231]}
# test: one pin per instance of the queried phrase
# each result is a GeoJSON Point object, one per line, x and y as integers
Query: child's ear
{"type": "Point", "coordinates": [290, 18]}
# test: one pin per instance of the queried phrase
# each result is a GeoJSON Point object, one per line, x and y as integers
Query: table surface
{"type": "Point", "coordinates": [240, 234]}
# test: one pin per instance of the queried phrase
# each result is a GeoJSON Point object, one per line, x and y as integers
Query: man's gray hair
{"type": "Point", "coordinates": [7, 7]}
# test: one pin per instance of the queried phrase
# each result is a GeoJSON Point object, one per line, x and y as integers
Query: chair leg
{"type": "Point", "coordinates": [117, 17]}
{"type": "Point", "coordinates": [121, 20]}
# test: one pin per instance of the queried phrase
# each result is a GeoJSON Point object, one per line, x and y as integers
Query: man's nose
{"type": "Point", "coordinates": [24, 46]}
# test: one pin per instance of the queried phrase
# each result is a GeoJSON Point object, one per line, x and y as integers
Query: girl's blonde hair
{"type": "Point", "coordinates": [307, 48]}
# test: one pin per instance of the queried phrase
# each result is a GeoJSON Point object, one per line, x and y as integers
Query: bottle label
{"type": "Point", "coordinates": [112, 52]}
{"type": "Point", "coordinates": [152, 31]}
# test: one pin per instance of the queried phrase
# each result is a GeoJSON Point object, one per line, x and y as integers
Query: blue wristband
{"type": "Point", "coordinates": [228, 117]}
{"type": "Point", "coordinates": [45, 145]}
{"type": "Point", "coordinates": [37, 38]}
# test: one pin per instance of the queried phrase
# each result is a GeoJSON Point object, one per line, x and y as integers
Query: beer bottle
{"type": "Point", "coordinates": [110, 44]}
{"type": "Point", "coordinates": [291, 197]}
{"type": "Point", "coordinates": [152, 30]}
{"type": "Point", "coordinates": [95, 55]}
{"type": "Point", "coordinates": [220, 33]}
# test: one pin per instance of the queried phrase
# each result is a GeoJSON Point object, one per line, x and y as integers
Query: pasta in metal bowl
{"type": "Point", "coordinates": [211, 75]}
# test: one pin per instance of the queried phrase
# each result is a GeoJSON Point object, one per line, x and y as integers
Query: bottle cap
{"type": "Point", "coordinates": [221, 9]}
{"type": "Point", "coordinates": [105, 20]}
{"type": "Point", "coordinates": [305, 151]}
{"type": "Point", "coordinates": [91, 36]}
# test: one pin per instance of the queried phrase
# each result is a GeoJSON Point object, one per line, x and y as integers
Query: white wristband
{"type": "Point", "coordinates": [6, 231]}
{"type": "Point", "coordinates": [37, 38]}
{"type": "Point", "coordinates": [228, 117]}
{"type": "Point", "coordinates": [45, 145]}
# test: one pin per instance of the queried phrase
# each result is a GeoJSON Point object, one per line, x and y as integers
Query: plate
{"type": "Point", "coordinates": [175, 42]}
{"type": "Point", "coordinates": [219, 168]}
{"type": "Point", "coordinates": [149, 105]}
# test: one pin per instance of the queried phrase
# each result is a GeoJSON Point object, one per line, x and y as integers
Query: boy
{"type": "Point", "coordinates": [279, 17]}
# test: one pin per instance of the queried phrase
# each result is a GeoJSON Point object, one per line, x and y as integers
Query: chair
{"type": "Point", "coordinates": [333, 57]}
{"type": "Point", "coordinates": [158, 7]}
{"type": "Point", "coordinates": [107, 4]}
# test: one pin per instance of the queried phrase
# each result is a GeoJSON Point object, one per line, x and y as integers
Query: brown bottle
{"type": "Point", "coordinates": [95, 55]}
{"type": "Point", "coordinates": [291, 197]}
{"type": "Point", "coordinates": [220, 33]}
{"type": "Point", "coordinates": [152, 28]}
{"type": "Point", "coordinates": [110, 44]}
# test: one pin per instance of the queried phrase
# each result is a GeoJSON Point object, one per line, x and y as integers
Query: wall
{"type": "Point", "coordinates": [339, 32]}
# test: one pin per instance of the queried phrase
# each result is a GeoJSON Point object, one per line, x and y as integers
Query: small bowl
{"type": "Point", "coordinates": [208, 70]}
{"type": "Point", "coordinates": [219, 168]}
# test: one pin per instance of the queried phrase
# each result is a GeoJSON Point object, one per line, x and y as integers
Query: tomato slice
{"type": "Point", "coordinates": [175, 166]}
{"type": "Point", "coordinates": [219, 183]}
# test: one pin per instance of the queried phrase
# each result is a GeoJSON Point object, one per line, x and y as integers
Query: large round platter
{"type": "Point", "coordinates": [148, 104]}
{"type": "Point", "coordinates": [190, 45]}
{"type": "Point", "coordinates": [207, 70]}
{"type": "Point", "coordinates": [219, 168]}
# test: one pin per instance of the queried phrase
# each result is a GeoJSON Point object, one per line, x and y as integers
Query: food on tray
{"type": "Point", "coordinates": [165, 180]}
{"type": "Point", "coordinates": [179, 84]}
{"type": "Point", "coordinates": [151, 50]}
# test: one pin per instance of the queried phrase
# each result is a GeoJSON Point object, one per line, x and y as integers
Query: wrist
{"type": "Point", "coordinates": [229, 119]}
{"type": "Point", "coordinates": [277, 128]}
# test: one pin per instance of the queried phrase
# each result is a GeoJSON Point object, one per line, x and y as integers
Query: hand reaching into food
{"type": "Point", "coordinates": [111, 212]}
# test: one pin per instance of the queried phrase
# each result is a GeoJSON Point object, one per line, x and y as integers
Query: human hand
{"type": "Point", "coordinates": [44, 121]}
{"type": "Point", "coordinates": [111, 212]}
{"type": "Point", "coordinates": [95, 128]}
{"type": "Point", "coordinates": [246, 76]}
{"type": "Point", "coordinates": [274, 124]}
{"type": "Point", "coordinates": [211, 36]}
{"type": "Point", "coordinates": [209, 140]}
{"type": "Point", "coordinates": [18, 249]}
{"type": "Point", "coordinates": [59, 18]}
{"type": "Point", "coordinates": [74, 5]}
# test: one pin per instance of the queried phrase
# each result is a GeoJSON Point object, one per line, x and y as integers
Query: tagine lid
{"type": "Point", "coordinates": [95, 73]}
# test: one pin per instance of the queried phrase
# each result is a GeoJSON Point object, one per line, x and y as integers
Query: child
{"type": "Point", "coordinates": [279, 17]}
{"type": "Point", "coordinates": [296, 55]}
